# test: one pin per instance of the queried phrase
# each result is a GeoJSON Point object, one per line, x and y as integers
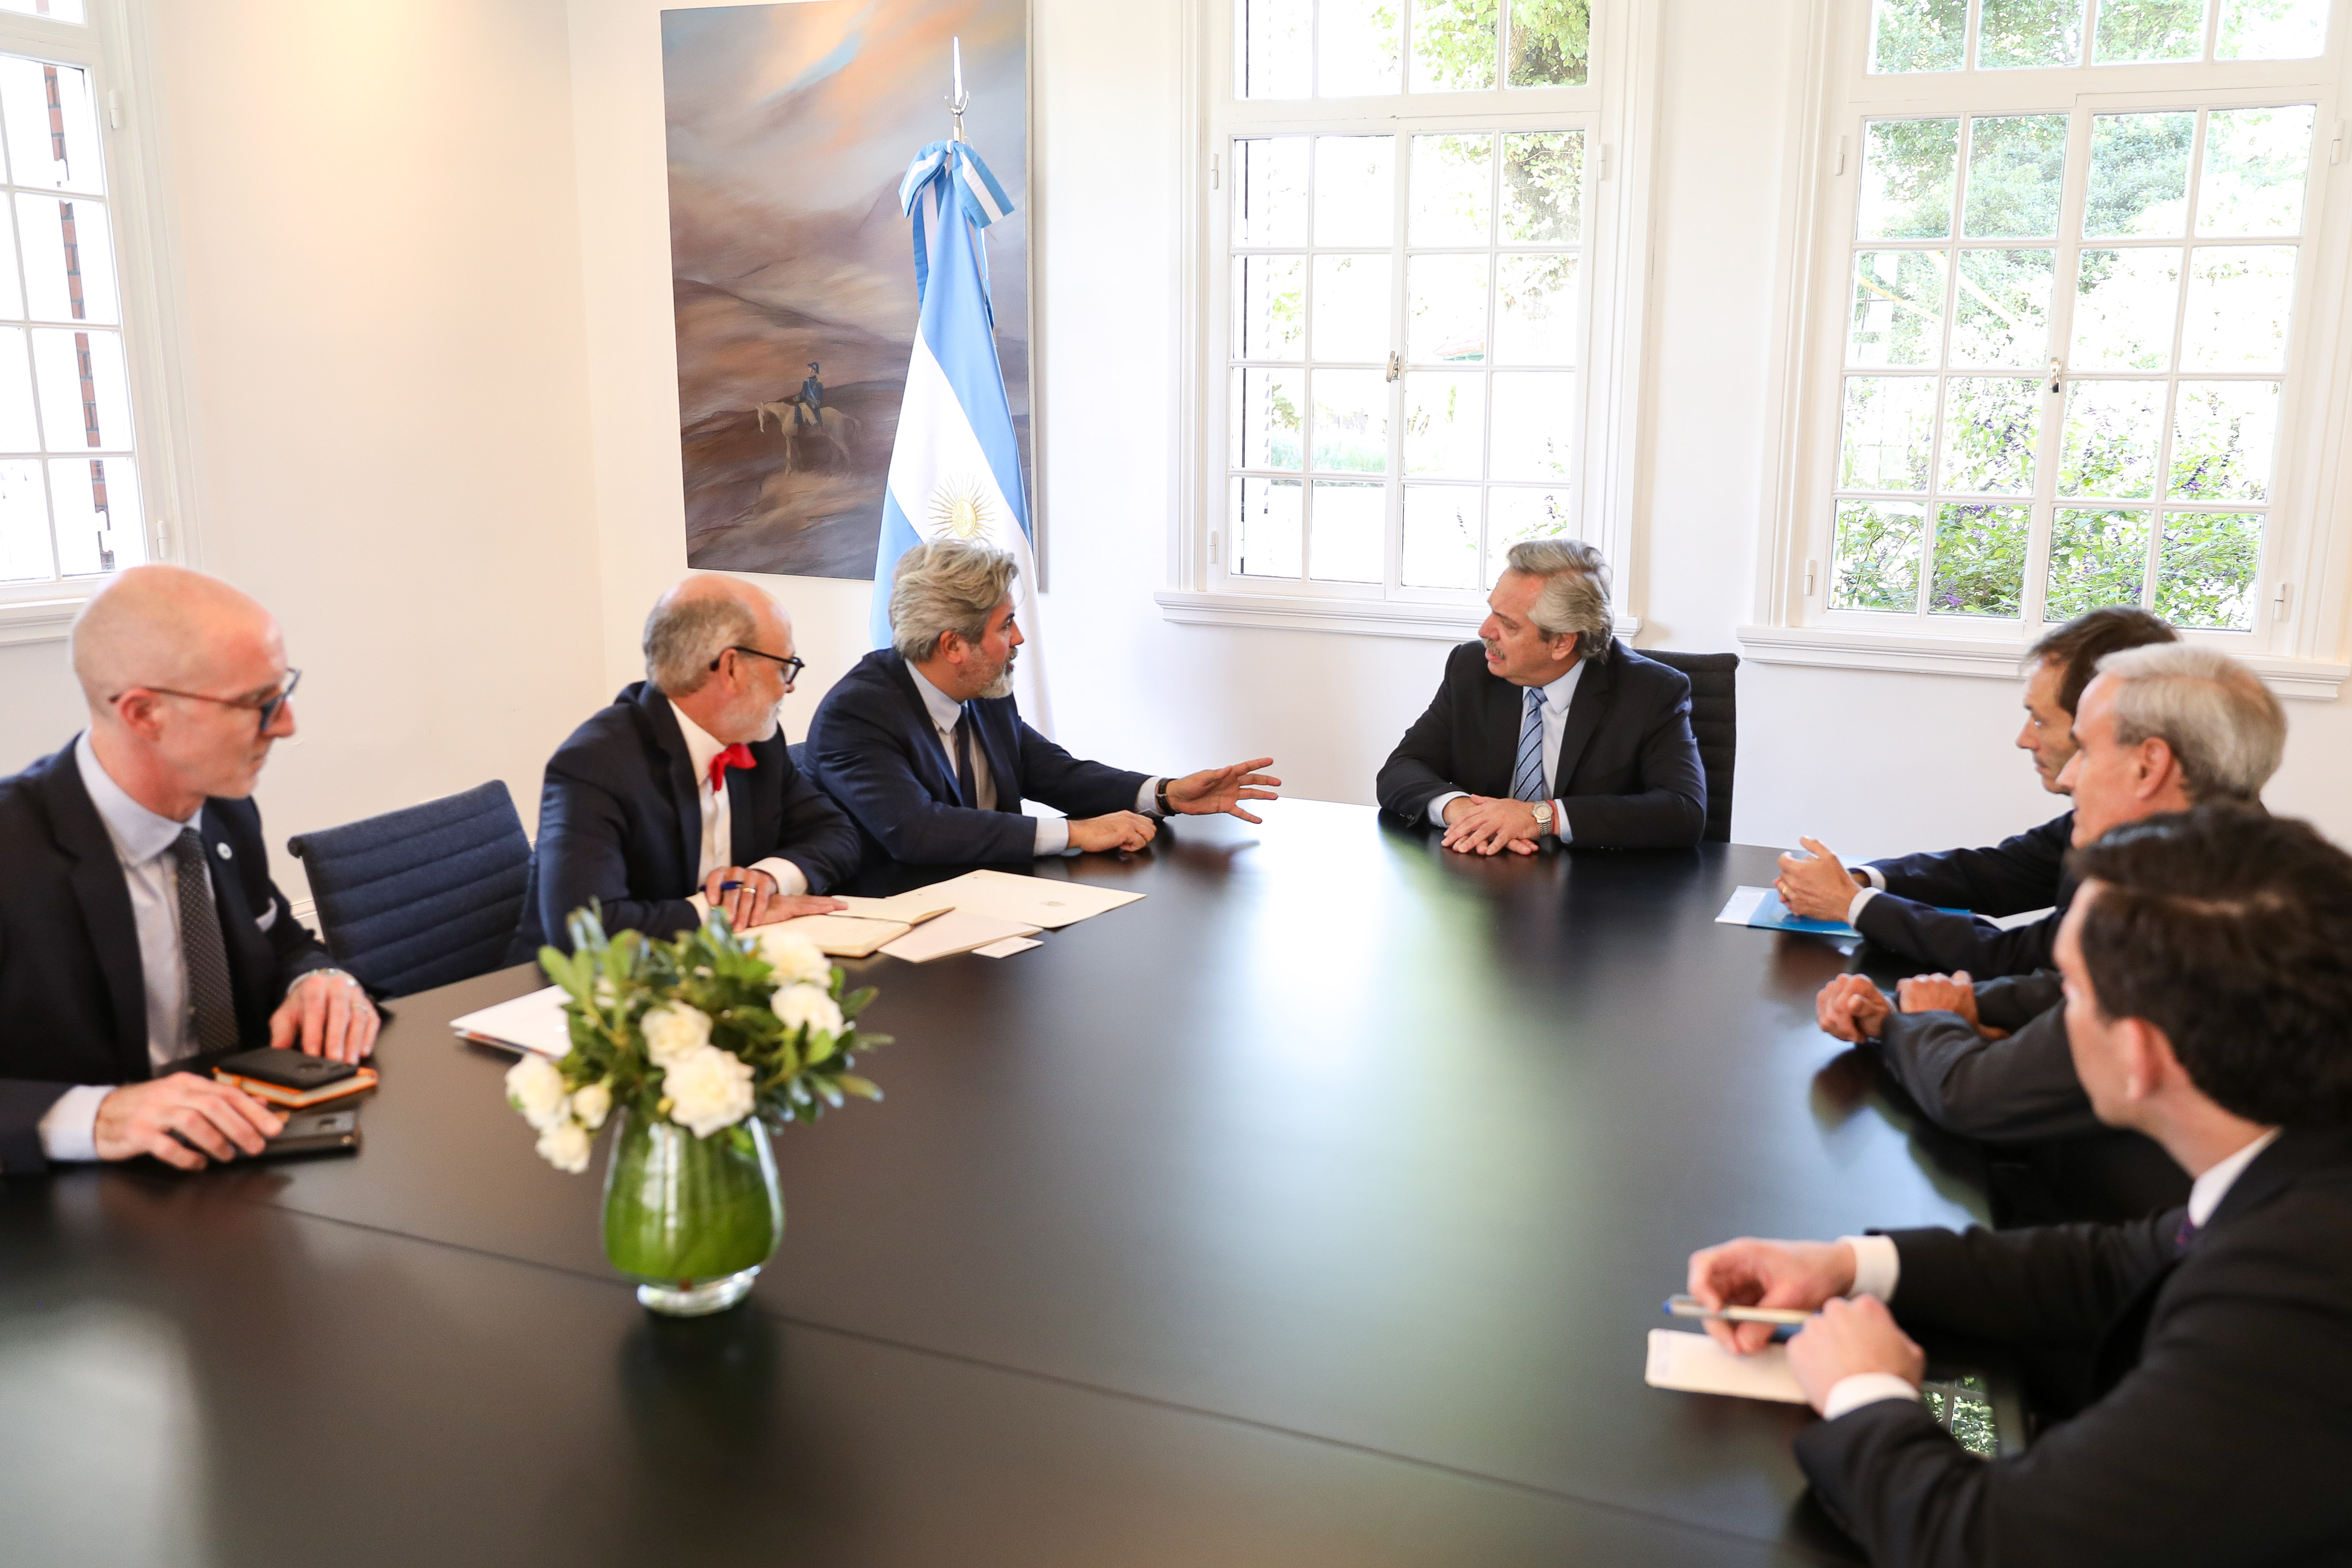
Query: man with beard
{"type": "Point", "coordinates": [925, 747]}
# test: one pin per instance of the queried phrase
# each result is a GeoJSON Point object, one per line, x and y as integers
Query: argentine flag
{"type": "Point", "coordinates": [955, 470]}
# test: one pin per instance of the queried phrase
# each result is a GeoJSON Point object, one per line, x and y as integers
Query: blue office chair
{"type": "Point", "coordinates": [1715, 724]}
{"type": "Point", "coordinates": [421, 897]}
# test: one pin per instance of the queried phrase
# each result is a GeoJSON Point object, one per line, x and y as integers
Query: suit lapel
{"type": "Point", "coordinates": [753, 825]}
{"type": "Point", "coordinates": [105, 903]}
{"type": "Point", "coordinates": [993, 731]}
{"type": "Point", "coordinates": [1596, 692]}
{"type": "Point", "coordinates": [249, 963]}
{"type": "Point", "coordinates": [1505, 712]}
{"type": "Point", "coordinates": [937, 774]}
{"type": "Point", "coordinates": [678, 768]}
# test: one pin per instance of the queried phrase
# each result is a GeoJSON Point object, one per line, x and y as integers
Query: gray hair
{"type": "Point", "coordinates": [1575, 593]}
{"type": "Point", "coordinates": [686, 633]}
{"type": "Point", "coordinates": [2224, 727]}
{"type": "Point", "coordinates": [947, 585]}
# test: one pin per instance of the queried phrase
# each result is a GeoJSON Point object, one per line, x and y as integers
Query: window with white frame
{"type": "Point", "coordinates": [70, 501]}
{"type": "Point", "coordinates": [2076, 311]}
{"type": "Point", "coordinates": [1399, 313]}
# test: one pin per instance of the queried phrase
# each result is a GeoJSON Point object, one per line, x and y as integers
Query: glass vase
{"type": "Point", "coordinates": [690, 1219]}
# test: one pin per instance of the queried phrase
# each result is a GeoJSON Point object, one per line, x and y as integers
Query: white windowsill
{"type": "Point", "coordinates": [1841, 648]}
{"type": "Point", "coordinates": [39, 620]}
{"type": "Point", "coordinates": [1353, 617]}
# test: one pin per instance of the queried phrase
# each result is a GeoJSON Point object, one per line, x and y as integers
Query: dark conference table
{"type": "Point", "coordinates": [1311, 1211]}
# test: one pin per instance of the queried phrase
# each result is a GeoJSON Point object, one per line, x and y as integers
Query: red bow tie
{"type": "Point", "coordinates": [738, 755]}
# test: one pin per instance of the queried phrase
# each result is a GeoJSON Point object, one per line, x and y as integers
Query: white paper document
{"type": "Point", "coordinates": [960, 932]}
{"type": "Point", "coordinates": [1008, 947]}
{"type": "Point", "coordinates": [1696, 1364]}
{"type": "Point", "coordinates": [907, 908]}
{"type": "Point", "coordinates": [530, 1023]}
{"type": "Point", "coordinates": [836, 936]}
{"type": "Point", "coordinates": [1044, 902]}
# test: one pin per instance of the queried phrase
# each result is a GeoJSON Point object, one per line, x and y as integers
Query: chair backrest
{"type": "Point", "coordinates": [1715, 720]}
{"type": "Point", "coordinates": [799, 750]}
{"type": "Point", "coordinates": [421, 897]}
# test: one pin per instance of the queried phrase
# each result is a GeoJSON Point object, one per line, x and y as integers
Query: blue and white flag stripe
{"type": "Point", "coordinates": [955, 468]}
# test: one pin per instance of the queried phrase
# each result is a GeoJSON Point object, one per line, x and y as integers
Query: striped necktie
{"type": "Point", "coordinates": [1527, 774]}
{"type": "Point", "coordinates": [214, 1027]}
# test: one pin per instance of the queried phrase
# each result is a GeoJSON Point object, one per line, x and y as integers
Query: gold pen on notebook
{"type": "Point", "coordinates": [1692, 1307]}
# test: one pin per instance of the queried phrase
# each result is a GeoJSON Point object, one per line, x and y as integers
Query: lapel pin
{"type": "Point", "coordinates": [225, 851]}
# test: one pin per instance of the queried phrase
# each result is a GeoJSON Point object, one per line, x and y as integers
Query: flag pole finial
{"type": "Point", "coordinates": [958, 100]}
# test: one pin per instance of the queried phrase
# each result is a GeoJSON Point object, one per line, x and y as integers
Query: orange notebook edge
{"type": "Point", "coordinates": [298, 1099]}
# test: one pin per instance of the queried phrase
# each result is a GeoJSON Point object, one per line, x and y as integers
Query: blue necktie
{"type": "Point", "coordinates": [1526, 774]}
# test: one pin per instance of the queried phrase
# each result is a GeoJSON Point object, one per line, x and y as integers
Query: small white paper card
{"type": "Point", "coordinates": [530, 1023]}
{"type": "Point", "coordinates": [1008, 947]}
{"type": "Point", "coordinates": [1741, 909]}
{"type": "Point", "coordinates": [1694, 1364]}
{"type": "Point", "coordinates": [1046, 901]}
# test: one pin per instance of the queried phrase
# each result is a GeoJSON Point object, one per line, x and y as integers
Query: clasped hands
{"type": "Point", "coordinates": [1487, 824]}
{"type": "Point", "coordinates": [1853, 1009]}
{"type": "Point", "coordinates": [1816, 886]}
{"type": "Point", "coordinates": [1847, 1338]}
{"type": "Point", "coordinates": [1205, 794]}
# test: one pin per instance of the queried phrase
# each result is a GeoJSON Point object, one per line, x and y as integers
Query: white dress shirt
{"type": "Point", "coordinates": [1873, 883]}
{"type": "Point", "coordinates": [718, 821]}
{"type": "Point", "coordinates": [1877, 1265]}
{"type": "Point", "coordinates": [1555, 699]}
{"type": "Point", "coordinates": [1053, 831]}
{"type": "Point", "coordinates": [142, 844]}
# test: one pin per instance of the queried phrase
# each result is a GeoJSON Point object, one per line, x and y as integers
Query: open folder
{"type": "Point", "coordinates": [534, 1022]}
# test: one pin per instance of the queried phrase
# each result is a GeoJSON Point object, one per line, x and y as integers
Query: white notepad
{"type": "Point", "coordinates": [1694, 1364]}
{"type": "Point", "coordinates": [1045, 901]}
{"type": "Point", "coordinates": [959, 931]}
{"type": "Point", "coordinates": [531, 1023]}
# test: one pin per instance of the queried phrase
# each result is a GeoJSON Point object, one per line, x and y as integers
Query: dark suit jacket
{"type": "Point", "coordinates": [2221, 1379]}
{"type": "Point", "coordinates": [1629, 774]}
{"type": "Point", "coordinates": [620, 821]}
{"type": "Point", "coordinates": [2024, 871]}
{"type": "Point", "coordinates": [872, 748]}
{"type": "Point", "coordinates": [73, 992]}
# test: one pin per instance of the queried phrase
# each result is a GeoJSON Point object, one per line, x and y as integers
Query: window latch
{"type": "Point", "coordinates": [2286, 597]}
{"type": "Point", "coordinates": [1396, 365]}
{"type": "Point", "coordinates": [2057, 369]}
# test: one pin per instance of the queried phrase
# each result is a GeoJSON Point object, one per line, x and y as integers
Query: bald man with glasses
{"type": "Point", "coordinates": [139, 930]}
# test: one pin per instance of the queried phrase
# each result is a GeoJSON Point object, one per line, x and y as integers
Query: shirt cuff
{"type": "Point", "coordinates": [1053, 834]}
{"type": "Point", "coordinates": [1877, 1265]}
{"type": "Point", "coordinates": [791, 880]}
{"type": "Point", "coordinates": [1147, 799]}
{"type": "Point", "coordinates": [1437, 807]}
{"type": "Point", "coordinates": [69, 1126]}
{"type": "Point", "coordinates": [1853, 910]}
{"type": "Point", "coordinates": [1873, 875]}
{"type": "Point", "coordinates": [1559, 828]}
{"type": "Point", "coordinates": [1864, 1388]}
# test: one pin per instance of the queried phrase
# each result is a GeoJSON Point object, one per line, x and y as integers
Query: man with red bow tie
{"type": "Point", "coordinates": [681, 795]}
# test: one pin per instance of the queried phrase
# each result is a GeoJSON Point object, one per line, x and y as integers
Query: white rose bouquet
{"type": "Point", "coordinates": [704, 1031]}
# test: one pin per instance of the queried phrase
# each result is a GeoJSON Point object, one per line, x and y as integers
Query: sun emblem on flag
{"type": "Point", "coordinates": [959, 508]}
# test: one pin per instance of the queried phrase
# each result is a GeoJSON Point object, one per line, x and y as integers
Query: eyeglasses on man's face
{"type": "Point", "coordinates": [792, 667]}
{"type": "Point", "coordinates": [266, 706]}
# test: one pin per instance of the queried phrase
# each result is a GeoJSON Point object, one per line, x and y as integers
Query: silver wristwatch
{"type": "Point", "coordinates": [1543, 817]}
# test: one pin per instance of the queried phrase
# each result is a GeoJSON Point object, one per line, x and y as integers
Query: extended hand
{"type": "Point", "coordinates": [1223, 789]}
{"type": "Point", "coordinates": [1482, 825]}
{"type": "Point", "coordinates": [1751, 1273]}
{"type": "Point", "coordinates": [326, 1015]}
{"type": "Point", "coordinates": [140, 1119]}
{"type": "Point", "coordinates": [1852, 1337]}
{"type": "Point", "coordinates": [1852, 1008]}
{"type": "Point", "coordinates": [1119, 830]}
{"type": "Point", "coordinates": [1816, 886]}
{"type": "Point", "coordinates": [1945, 993]}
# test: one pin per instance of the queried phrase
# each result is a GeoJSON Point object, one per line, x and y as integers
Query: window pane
{"type": "Point", "coordinates": [2113, 431]}
{"type": "Point", "coordinates": [2002, 317]}
{"type": "Point", "coordinates": [2205, 576]}
{"type": "Point", "coordinates": [1351, 421]}
{"type": "Point", "coordinates": [1344, 544]}
{"type": "Point", "coordinates": [1269, 306]}
{"type": "Point", "coordinates": [1447, 305]}
{"type": "Point", "coordinates": [19, 430]}
{"type": "Point", "coordinates": [1351, 309]}
{"type": "Point", "coordinates": [1453, 190]}
{"type": "Point", "coordinates": [2096, 558]}
{"type": "Point", "coordinates": [2139, 177]}
{"type": "Point", "coordinates": [100, 525]}
{"type": "Point", "coordinates": [1979, 561]}
{"type": "Point", "coordinates": [24, 522]}
{"type": "Point", "coordinates": [1266, 405]}
{"type": "Point", "coordinates": [2255, 160]}
{"type": "Point", "coordinates": [1543, 187]}
{"type": "Point", "coordinates": [1550, 40]}
{"type": "Point", "coordinates": [52, 126]}
{"type": "Point", "coordinates": [2271, 30]}
{"type": "Point", "coordinates": [69, 260]}
{"type": "Point", "coordinates": [1991, 426]}
{"type": "Point", "coordinates": [1889, 433]}
{"type": "Point", "coordinates": [2224, 433]}
{"type": "Point", "coordinates": [1359, 48]}
{"type": "Point", "coordinates": [1268, 528]}
{"type": "Point", "coordinates": [1535, 314]}
{"type": "Point", "coordinates": [55, 10]}
{"type": "Point", "coordinates": [1354, 190]}
{"type": "Point", "coordinates": [1513, 514]}
{"type": "Point", "coordinates": [2239, 298]}
{"type": "Point", "coordinates": [1918, 34]}
{"type": "Point", "coordinates": [85, 393]}
{"type": "Point", "coordinates": [2014, 165]}
{"type": "Point", "coordinates": [1534, 431]}
{"type": "Point", "coordinates": [1270, 190]}
{"type": "Point", "coordinates": [2015, 33]}
{"type": "Point", "coordinates": [1454, 48]}
{"type": "Point", "coordinates": [1271, 40]}
{"type": "Point", "coordinates": [1441, 536]}
{"type": "Point", "coordinates": [1898, 308]}
{"type": "Point", "coordinates": [1877, 557]}
{"type": "Point", "coordinates": [1908, 168]}
{"type": "Point", "coordinates": [2148, 31]}
{"type": "Point", "coordinates": [1445, 425]}
{"type": "Point", "coordinates": [2124, 304]}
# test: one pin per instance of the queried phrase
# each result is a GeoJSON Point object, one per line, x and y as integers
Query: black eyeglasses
{"type": "Point", "coordinates": [268, 706]}
{"type": "Point", "coordinates": [792, 667]}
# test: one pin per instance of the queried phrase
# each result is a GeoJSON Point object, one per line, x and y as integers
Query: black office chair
{"type": "Point", "coordinates": [421, 897]}
{"type": "Point", "coordinates": [799, 750]}
{"type": "Point", "coordinates": [1715, 720]}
